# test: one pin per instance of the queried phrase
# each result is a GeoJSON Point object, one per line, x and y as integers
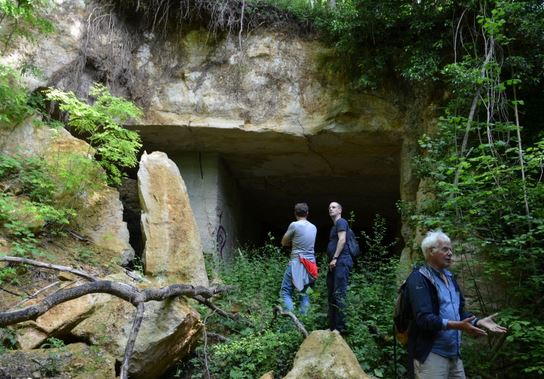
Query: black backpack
{"type": "Point", "coordinates": [402, 316]}
{"type": "Point", "coordinates": [353, 244]}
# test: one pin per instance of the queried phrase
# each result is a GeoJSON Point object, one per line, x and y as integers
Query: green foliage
{"type": "Point", "coordinates": [28, 176]}
{"type": "Point", "coordinates": [484, 187]}
{"type": "Point", "coordinates": [8, 339]}
{"type": "Point", "coordinates": [524, 337]}
{"type": "Point", "coordinates": [74, 176]}
{"type": "Point", "coordinates": [250, 356]}
{"type": "Point", "coordinates": [486, 206]}
{"type": "Point", "coordinates": [101, 122]}
{"type": "Point", "coordinates": [85, 255]}
{"type": "Point", "coordinates": [377, 249]}
{"type": "Point", "coordinates": [388, 38]}
{"type": "Point", "coordinates": [412, 41]}
{"type": "Point", "coordinates": [257, 275]}
{"type": "Point", "coordinates": [257, 345]}
{"type": "Point", "coordinates": [8, 275]}
{"type": "Point", "coordinates": [371, 299]}
{"type": "Point", "coordinates": [53, 343]}
{"type": "Point", "coordinates": [27, 203]}
{"type": "Point", "coordinates": [263, 344]}
{"type": "Point", "coordinates": [40, 198]}
{"type": "Point", "coordinates": [13, 97]}
{"type": "Point", "coordinates": [23, 19]}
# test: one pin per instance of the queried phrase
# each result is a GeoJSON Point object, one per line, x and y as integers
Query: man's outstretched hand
{"type": "Point", "coordinates": [491, 325]}
{"type": "Point", "coordinates": [467, 327]}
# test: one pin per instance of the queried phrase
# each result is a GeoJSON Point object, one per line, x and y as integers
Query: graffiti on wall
{"type": "Point", "coordinates": [220, 237]}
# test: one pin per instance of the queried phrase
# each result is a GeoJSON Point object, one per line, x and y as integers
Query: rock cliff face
{"type": "Point", "coordinates": [254, 124]}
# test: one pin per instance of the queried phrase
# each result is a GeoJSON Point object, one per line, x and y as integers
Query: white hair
{"type": "Point", "coordinates": [431, 240]}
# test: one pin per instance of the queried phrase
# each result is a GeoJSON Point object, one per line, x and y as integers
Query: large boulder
{"type": "Point", "coordinates": [169, 329]}
{"type": "Point", "coordinates": [173, 250]}
{"type": "Point", "coordinates": [168, 332]}
{"type": "Point", "coordinates": [325, 355]}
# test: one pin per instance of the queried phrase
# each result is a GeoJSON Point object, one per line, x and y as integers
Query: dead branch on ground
{"type": "Point", "coordinates": [32, 262]}
{"type": "Point", "coordinates": [232, 316]}
{"type": "Point", "coordinates": [131, 294]}
{"type": "Point", "coordinates": [299, 325]}
{"type": "Point", "coordinates": [137, 322]}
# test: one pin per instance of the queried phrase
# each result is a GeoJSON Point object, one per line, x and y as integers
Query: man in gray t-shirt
{"type": "Point", "coordinates": [300, 235]}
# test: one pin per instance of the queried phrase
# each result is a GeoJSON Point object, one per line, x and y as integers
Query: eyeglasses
{"type": "Point", "coordinates": [444, 249]}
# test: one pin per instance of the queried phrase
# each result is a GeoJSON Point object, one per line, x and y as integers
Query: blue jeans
{"type": "Point", "coordinates": [337, 286]}
{"type": "Point", "coordinates": [286, 291]}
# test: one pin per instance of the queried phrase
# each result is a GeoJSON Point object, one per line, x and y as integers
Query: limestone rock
{"type": "Point", "coordinates": [29, 336]}
{"type": "Point", "coordinates": [74, 361]}
{"type": "Point", "coordinates": [101, 220]}
{"type": "Point", "coordinates": [56, 52]}
{"type": "Point", "coordinates": [169, 330]}
{"type": "Point", "coordinates": [173, 250]}
{"type": "Point", "coordinates": [325, 355]}
{"type": "Point", "coordinates": [59, 320]}
{"type": "Point", "coordinates": [33, 138]}
{"type": "Point", "coordinates": [268, 375]}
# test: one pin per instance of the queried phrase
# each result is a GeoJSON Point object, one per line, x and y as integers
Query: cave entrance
{"type": "Point", "coordinates": [243, 184]}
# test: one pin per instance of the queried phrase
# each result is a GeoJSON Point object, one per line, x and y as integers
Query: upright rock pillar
{"type": "Point", "coordinates": [173, 250]}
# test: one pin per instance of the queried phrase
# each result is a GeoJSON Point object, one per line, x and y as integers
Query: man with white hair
{"type": "Point", "coordinates": [439, 315]}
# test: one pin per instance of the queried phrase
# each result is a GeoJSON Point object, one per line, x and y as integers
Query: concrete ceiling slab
{"type": "Point", "coordinates": [275, 170]}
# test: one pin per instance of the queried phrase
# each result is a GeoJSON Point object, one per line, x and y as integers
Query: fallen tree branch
{"type": "Point", "coordinates": [220, 311]}
{"type": "Point", "coordinates": [124, 291]}
{"type": "Point", "coordinates": [32, 262]}
{"type": "Point", "coordinates": [277, 310]}
{"type": "Point", "coordinates": [138, 317]}
{"type": "Point", "coordinates": [36, 294]}
{"type": "Point", "coordinates": [121, 290]}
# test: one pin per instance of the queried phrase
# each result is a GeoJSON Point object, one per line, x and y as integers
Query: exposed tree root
{"type": "Point", "coordinates": [220, 15]}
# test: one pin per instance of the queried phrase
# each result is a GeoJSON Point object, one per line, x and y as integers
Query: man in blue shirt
{"type": "Point", "coordinates": [340, 264]}
{"type": "Point", "coordinates": [439, 316]}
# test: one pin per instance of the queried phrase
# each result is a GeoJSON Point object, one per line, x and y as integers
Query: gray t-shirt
{"type": "Point", "coordinates": [302, 233]}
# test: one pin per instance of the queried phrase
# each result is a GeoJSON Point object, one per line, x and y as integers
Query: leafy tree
{"type": "Point", "coordinates": [101, 122]}
{"type": "Point", "coordinates": [484, 182]}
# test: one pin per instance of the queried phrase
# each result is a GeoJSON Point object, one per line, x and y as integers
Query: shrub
{"type": "Point", "coordinates": [262, 345]}
{"type": "Point", "coordinates": [101, 123]}
{"type": "Point", "coordinates": [13, 98]}
{"type": "Point", "coordinates": [27, 205]}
